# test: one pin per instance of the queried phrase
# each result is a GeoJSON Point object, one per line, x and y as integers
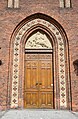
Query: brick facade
{"type": "Point", "coordinates": [10, 18]}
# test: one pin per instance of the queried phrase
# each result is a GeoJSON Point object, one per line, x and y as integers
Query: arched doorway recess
{"type": "Point", "coordinates": [38, 84]}
{"type": "Point", "coordinates": [59, 43]}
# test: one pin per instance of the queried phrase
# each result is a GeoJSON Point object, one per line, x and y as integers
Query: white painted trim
{"type": "Point", "coordinates": [61, 62]}
{"type": "Point", "coordinates": [61, 3]}
{"type": "Point", "coordinates": [68, 3]}
{"type": "Point", "coordinates": [16, 3]}
{"type": "Point", "coordinates": [10, 3]}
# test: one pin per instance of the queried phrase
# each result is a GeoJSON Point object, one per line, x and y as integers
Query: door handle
{"type": "Point", "coordinates": [51, 84]}
{"type": "Point", "coordinates": [36, 84]}
{"type": "Point", "coordinates": [40, 83]}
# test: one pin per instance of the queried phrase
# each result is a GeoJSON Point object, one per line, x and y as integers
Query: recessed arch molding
{"type": "Point", "coordinates": [61, 74]}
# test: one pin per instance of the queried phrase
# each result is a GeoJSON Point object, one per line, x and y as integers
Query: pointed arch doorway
{"type": "Point", "coordinates": [38, 85]}
{"type": "Point", "coordinates": [56, 39]}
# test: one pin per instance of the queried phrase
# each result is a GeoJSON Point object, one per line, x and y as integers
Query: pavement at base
{"type": "Point", "coordinates": [38, 114]}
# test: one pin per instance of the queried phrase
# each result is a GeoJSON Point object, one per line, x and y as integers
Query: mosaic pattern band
{"type": "Point", "coordinates": [61, 61]}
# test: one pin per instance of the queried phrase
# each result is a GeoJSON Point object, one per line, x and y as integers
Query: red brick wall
{"type": "Point", "coordinates": [10, 18]}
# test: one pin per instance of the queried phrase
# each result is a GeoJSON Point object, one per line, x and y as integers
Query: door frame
{"type": "Point", "coordinates": [43, 51]}
{"type": "Point", "coordinates": [61, 59]}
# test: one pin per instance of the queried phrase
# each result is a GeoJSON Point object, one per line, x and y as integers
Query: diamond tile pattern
{"type": "Point", "coordinates": [61, 60]}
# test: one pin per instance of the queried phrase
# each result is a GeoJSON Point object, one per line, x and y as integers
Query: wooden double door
{"type": "Point", "coordinates": [38, 86]}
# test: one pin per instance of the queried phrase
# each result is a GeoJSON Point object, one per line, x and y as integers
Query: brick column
{"type": "Point", "coordinates": [16, 3]}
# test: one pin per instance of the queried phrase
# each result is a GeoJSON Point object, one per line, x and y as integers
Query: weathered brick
{"type": "Point", "coordinates": [10, 18]}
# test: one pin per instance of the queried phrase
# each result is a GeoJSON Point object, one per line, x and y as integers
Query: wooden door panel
{"type": "Point", "coordinates": [27, 75]}
{"type": "Point", "coordinates": [31, 78]}
{"type": "Point", "coordinates": [42, 99]}
{"type": "Point", "coordinates": [49, 75]}
{"type": "Point", "coordinates": [34, 74]}
{"type": "Point", "coordinates": [46, 80]}
{"type": "Point", "coordinates": [45, 72]}
{"type": "Point", "coordinates": [38, 91]}
{"type": "Point", "coordinates": [31, 69]}
{"type": "Point", "coordinates": [31, 100]}
{"type": "Point", "coordinates": [46, 100]}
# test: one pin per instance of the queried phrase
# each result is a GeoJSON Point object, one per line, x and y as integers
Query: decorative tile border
{"type": "Point", "coordinates": [61, 61]}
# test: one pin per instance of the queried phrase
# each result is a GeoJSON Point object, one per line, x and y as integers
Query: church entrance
{"type": "Point", "coordinates": [38, 92]}
{"type": "Point", "coordinates": [39, 65]}
{"type": "Point", "coordinates": [38, 83]}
